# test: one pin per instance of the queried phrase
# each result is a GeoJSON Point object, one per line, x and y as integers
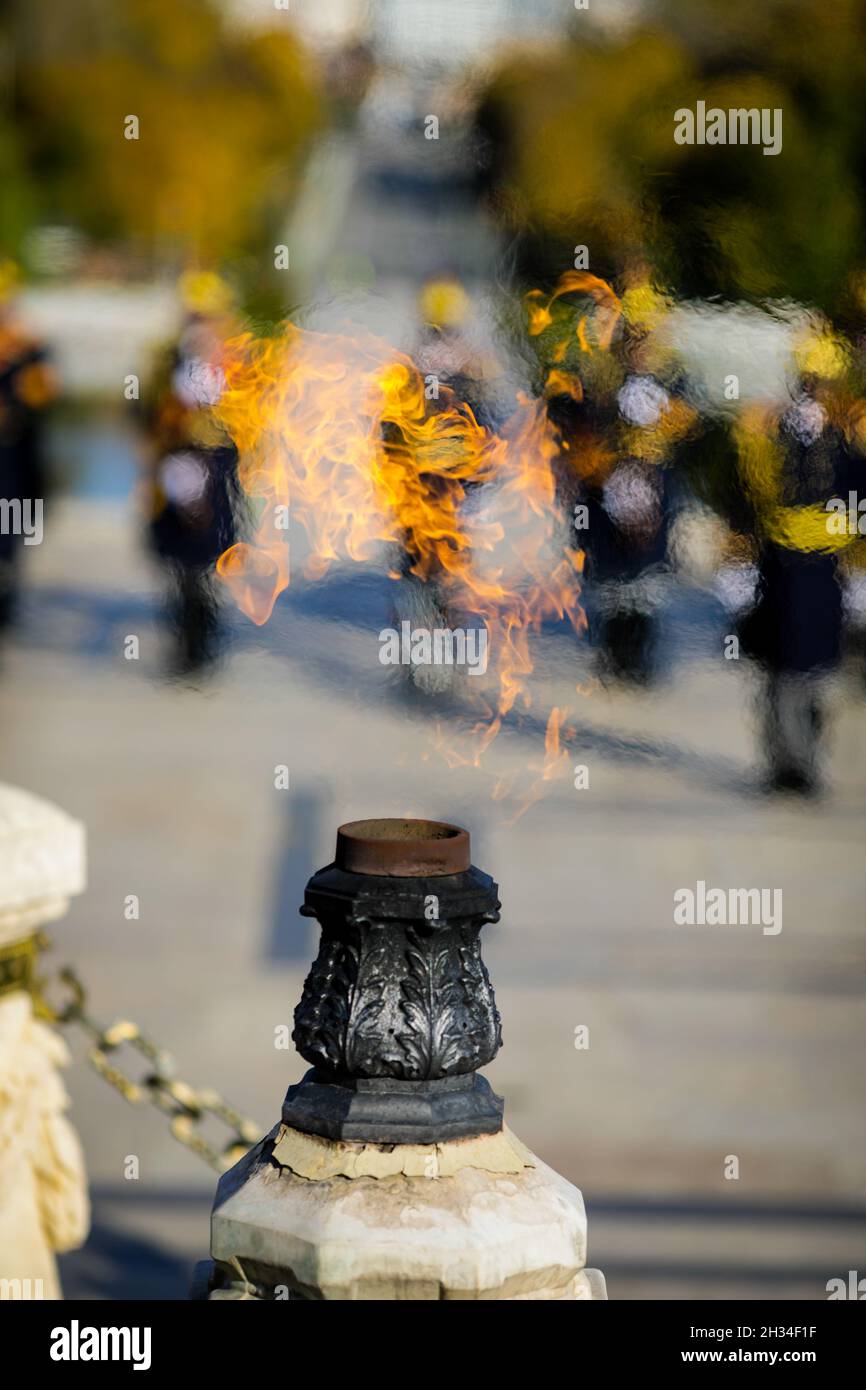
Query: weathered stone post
{"type": "Point", "coordinates": [391, 1174]}
{"type": "Point", "coordinates": [43, 1192]}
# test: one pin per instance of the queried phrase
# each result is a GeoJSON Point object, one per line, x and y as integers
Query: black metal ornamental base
{"type": "Point", "coordinates": [398, 1012]}
{"type": "Point", "coordinates": [384, 1111]}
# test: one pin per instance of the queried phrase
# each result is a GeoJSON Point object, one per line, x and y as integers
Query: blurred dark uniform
{"type": "Point", "coordinates": [619, 443]}
{"type": "Point", "coordinates": [28, 384]}
{"type": "Point", "coordinates": [455, 374]}
{"type": "Point", "coordinates": [792, 466]}
{"type": "Point", "coordinates": [445, 353]}
{"type": "Point", "coordinates": [192, 482]}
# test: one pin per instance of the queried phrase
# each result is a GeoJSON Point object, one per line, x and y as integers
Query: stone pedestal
{"type": "Point", "coordinates": [303, 1217]}
{"type": "Point", "coordinates": [392, 1175]}
{"type": "Point", "coordinates": [43, 1193]}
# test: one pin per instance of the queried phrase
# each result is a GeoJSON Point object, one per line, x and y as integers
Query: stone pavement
{"type": "Point", "coordinates": [704, 1042]}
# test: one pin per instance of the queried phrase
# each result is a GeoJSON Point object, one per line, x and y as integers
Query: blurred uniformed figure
{"type": "Point", "coordinates": [28, 383]}
{"type": "Point", "coordinates": [446, 352]}
{"type": "Point", "coordinates": [456, 373]}
{"type": "Point", "coordinates": [793, 462]}
{"type": "Point", "coordinates": [621, 421]}
{"type": "Point", "coordinates": [191, 478]}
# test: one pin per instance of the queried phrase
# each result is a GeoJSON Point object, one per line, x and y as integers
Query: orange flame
{"type": "Point", "coordinates": [557, 737]}
{"type": "Point", "coordinates": [377, 467]}
{"type": "Point", "coordinates": [607, 312]}
{"type": "Point", "coordinates": [340, 430]}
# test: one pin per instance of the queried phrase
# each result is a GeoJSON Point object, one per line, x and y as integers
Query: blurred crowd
{"type": "Point", "coordinates": [628, 429]}
{"type": "Point", "coordinates": [564, 138]}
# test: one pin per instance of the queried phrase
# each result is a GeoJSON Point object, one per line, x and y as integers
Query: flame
{"type": "Point", "coordinates": [339, 429]}
{"type": "Point", "coordinates": [560, 383]}
{"type": "Point", "coordinates": [377, 468]}
{"type": "Point", "coordinates": [557, 737]}
{"type": "Point", "coordinates": [608, 309]}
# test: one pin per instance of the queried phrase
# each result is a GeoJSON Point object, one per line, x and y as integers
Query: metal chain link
{"type": "Point", "coordinates": [186, 1106]}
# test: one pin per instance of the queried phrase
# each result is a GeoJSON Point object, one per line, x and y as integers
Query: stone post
{"type": "Point", "coordinates": [391, 1174]}
{"type": "Point", "coordinates": [43, 1191]}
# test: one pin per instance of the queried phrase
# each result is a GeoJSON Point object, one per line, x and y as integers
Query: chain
{"type": "Point", "coordinates": [186, 1106]}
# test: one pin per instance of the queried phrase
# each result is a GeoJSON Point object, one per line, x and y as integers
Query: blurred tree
{"type": "Point", "coordinates": [19, 204]}
{"type": "Point", "coordinates": [222, 114]}
{"type": "Point", "coordinates": [741, 224]}
{"type": "Point", "coordinates": [581, 150]}
{"type": "Point", "coordinates": [574, 138]}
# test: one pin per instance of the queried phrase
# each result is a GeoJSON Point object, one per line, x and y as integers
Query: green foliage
{"type": "Point", "coordinates": [590, 154]}
{"type": "Point", "coordinates": [223, 118]}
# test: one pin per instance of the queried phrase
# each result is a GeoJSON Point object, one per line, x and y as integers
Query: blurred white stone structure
{"type": "Point", "coordinates": [301, 1217]}
{"type": "Point", "coordinates": [43, 1191]}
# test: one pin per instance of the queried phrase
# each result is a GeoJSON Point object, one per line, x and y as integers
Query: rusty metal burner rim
{"type": "Point", "coordinates": [401, 847]}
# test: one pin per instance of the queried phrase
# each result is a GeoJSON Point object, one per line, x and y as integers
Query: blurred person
{"type": "Point", "coordinates": [446, 351]}
{"type": "Point", "coordinates": [621, 424]}
{"type": "Point", "coordinates": [28, 384]}
{"type": "Point", "coordinates": [191, 482]}
{"type": "Point", "coordinates": [349, 70]}
{"type": "Point", "coordinates": [455, 374]}
{"type": "Point", "coordinates": [795, 464]}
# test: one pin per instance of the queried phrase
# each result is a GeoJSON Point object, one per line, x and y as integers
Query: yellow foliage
{"type": "Point", "coordinates": [586, 120]}
{"type": "Point", "coordinates": [222, 118]}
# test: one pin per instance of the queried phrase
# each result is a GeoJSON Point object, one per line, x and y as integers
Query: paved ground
{"type": "Point", "coordinates": [704, 1042]}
